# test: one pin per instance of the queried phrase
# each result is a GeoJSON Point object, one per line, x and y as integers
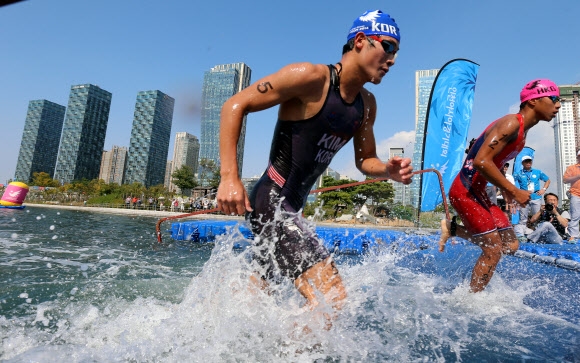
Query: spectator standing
{"type": "Point", "coordinates": [572, 177]}
{"type": "Point", "coordinates": [529, 179]}
{"type": "Point", "coordinates": [506, 205]}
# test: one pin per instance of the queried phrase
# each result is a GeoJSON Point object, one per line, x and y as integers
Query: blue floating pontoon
{"type": "Point", "coordinates": [343, 240]}
{"type": "Point", "coordinates": [565, 256]}
{"type": "Point", "coordinates": [357, 241]}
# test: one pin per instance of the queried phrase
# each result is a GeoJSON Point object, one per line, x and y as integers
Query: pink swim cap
{"type": "Point", "coordinates": [538, 88]}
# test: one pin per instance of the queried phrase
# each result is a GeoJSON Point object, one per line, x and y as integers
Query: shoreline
{"type": "Point", "coordinates": [128, 211]}
{"type": "Point", "coordinates": [204, 216]}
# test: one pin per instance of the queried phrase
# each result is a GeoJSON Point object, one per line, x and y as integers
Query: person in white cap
{"type": "Point", "coordinates": [529, 179]}
{"type": "Point", "coordinates": [572, 177]}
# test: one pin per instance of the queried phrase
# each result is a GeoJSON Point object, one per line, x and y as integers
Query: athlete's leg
{"type": "Point", "coordinates": [322, 278]}
{"type": "Point", "coordinates": [510, 241]}
{"type": "Point", "coordinates": [491, 246]}
{"type": "Point", "coordinates": [446, 228]}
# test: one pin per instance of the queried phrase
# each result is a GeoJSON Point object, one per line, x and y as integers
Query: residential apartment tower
{"type": "Point", "coordinates": [40, 139]}
{"type": "Point", "coordinates": [83, 134]}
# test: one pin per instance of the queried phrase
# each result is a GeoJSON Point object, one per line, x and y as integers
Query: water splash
{"type": "Point", "coordinates": [103, 293]}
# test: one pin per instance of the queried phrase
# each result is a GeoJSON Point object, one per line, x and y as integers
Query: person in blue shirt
{"type": "Point", "coordinates": [529, 179]}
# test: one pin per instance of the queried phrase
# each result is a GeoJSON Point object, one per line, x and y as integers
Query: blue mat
{"type": "Point", "coordinates": [356, 241]}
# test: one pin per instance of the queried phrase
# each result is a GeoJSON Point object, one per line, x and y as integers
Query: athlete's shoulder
{"type": "Point", "coordinates": [368, 97]}
{"type": "Point", "coordinates": [508, 123]}
{"type": "Point", "coordinates": [306, 71]}
{"type": "Point", "coordinates": [511, 117]}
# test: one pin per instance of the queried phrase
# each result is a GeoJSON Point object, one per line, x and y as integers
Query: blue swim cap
{"type": "Point", "coordinates": [375, 22]}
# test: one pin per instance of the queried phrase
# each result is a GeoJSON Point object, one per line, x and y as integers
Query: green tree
{"type": "Point", "coordinates": [184, 179]}
{"type": "Point", "coordinates": [135, 189]}
{"type": "Point", "coordinates": [400, 211]}
{"type": "Point", "coordinates": [209, 173]}
{"type": "Point", "coordinates": [157, 191]}
{"type": "Point", "coordinates": [42, 179]}
{"type": "Point", "coordinates": [332, 198]}
{"type": "Point", "coordinates": [378, 193]}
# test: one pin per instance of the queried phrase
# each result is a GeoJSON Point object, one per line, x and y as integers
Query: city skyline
{"type": "Point", "coordinates": [118, 61]}
{"type": "Point", "coordinates": [43, 118]}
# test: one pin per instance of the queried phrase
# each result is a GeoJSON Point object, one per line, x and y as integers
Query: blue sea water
{"type": "Point", "coordinates": [79, 286]}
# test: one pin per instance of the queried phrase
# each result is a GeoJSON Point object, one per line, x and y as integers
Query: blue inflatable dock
{"type": "Point", "coordinates": [357, 241]}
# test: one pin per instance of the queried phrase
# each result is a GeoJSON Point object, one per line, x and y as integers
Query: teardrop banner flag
{"type": "Point", "coordinates": [446, 125]}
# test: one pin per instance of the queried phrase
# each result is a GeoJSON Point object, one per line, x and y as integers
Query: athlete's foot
{"type": "Point", "coordinates": [445, 234]}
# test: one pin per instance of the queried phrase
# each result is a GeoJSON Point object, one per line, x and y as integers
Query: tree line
{"type": "Point", "coordinates": [378, 197]}
{"type": "Point", "coordinates": [97, 191]}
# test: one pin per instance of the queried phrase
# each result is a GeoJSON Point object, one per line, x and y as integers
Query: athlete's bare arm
{"type": "Point", "coordinates": [503, 132]}
{"type": "Point", "coordinates": [365, 151]}
{"type": "Point", "coordinates": [298, 88]}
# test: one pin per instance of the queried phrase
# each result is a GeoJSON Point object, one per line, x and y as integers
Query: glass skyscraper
{"type": "Point", "coordinates": [40, 139]}
{"type": "Point", "coordinates": [424, 80]}
{"type": "Point", "coordinates": [220, 83]}
{"type": "Point", "coordinates": [401, 190]}
{"type": "Point", "coordinates": [150, 136]}
{"type": "Point", "coordinates": [83, 134]}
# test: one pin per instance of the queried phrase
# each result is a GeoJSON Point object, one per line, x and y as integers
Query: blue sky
{"type": "Point", "coordinates": [130, 46]}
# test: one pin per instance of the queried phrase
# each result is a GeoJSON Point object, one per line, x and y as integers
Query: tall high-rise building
{"type": "Point", "coordinates": [167, 179]}
{"type": "Point", "coordinates": [402, 194]}
{"type": "Point", "coordinates": [150, 136]}
{"type": "Point", "coordinates": [185, 152]}
{"type": "Point", "coordinates": [40, 139]}
{"type": "Point", "coordinates": [424, 80]}
{"type": "Point", "coordinates": [566, 134]}
{"type": "Point", "coordinates": [83, 134]}
{"type": "Point", "coordinates": [113, 165]}
{"type": "Point", "coordinates": [220, 83]}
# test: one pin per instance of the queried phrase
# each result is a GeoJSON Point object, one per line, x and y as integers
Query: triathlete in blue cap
{"type": "Point", "coordinates": [321, 108]}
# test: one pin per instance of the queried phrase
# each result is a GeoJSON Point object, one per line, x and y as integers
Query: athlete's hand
{"type": "Point", "coordinates": [522, 197]}
{"type": "Point", "coordinates": [400, 169]}
{"type": "Point", "coordinates": [232, 198]}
